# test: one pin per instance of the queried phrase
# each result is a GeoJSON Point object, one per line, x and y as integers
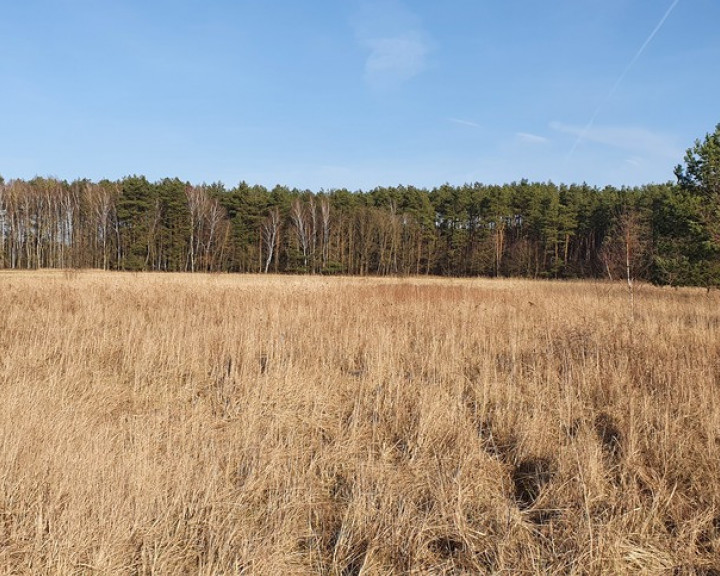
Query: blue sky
{"type": "Point", "coordinates": [356, 93]}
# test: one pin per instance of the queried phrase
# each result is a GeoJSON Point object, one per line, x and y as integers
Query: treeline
{"type": "Point", "coordinates": [528, 229]}
{"type": "Point", "coordinates": [667, 233]}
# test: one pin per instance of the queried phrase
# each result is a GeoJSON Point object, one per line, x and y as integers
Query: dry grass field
{"type": "Point", "coordinates": [178, 424]}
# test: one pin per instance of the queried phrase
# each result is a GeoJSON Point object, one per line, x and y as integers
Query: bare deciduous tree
{"type": "Point", "coordinates": [3, 225]}
{"type": "Point", "coordinates": [270, 232]}
{"type": "Point", "coordinates": [625, 253]}
{"type": "Point", "coordinates": [196, 206]}
{"type": "Point", "coordinates": [299, 220]}
{"type": "Point", "coordinates": [325, 223]}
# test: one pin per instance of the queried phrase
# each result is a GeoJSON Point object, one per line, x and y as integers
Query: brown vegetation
{"type": "Point", "coordinates": [181, 424]}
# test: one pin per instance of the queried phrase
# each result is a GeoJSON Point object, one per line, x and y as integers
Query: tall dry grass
{"type": "Point", "coordinates": [175, 424]}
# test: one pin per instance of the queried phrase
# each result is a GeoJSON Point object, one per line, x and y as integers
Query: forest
{"type": "Point", "coordinates": [663, 233]}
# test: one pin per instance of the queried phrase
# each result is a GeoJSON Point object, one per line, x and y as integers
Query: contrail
{"type": "Point", "coordinates": [620, 79]}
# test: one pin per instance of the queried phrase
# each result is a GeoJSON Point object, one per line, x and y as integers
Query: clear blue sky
{"type": "Point", "coordinates": [356, 93]}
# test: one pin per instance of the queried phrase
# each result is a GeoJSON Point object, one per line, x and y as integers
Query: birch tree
{"type": "Point", "coordinates": [301, 224]}
{"type": "Point", "coordinates": [325, 224]}
{"type": "Point", "coordinates": [270, 233]}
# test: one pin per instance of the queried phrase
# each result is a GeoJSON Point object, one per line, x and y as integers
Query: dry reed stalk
{"type": "Point", "coordinates": [189, 424]}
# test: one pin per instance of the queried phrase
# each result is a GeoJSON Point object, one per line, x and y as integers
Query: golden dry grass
{"type": "Point", "coordinates": [176, 424]}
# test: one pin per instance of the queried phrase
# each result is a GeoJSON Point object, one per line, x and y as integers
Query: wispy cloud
{"type": "Point", "coordinates": [629, 138]}
{"type": "Point", "coordinates": [527, 138]}
{"type": "Point", "coordinates": [462, 122]}
{"type": "Point", "coordinates": [395, 40]}
{"type": "Point", "coordinates": [395, 60]}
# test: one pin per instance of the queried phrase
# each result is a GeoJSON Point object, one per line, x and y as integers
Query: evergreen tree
{"type": "Point", "coordinates": [699, 181]}
{"type": "Point", "coordinates": [135, 215]}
